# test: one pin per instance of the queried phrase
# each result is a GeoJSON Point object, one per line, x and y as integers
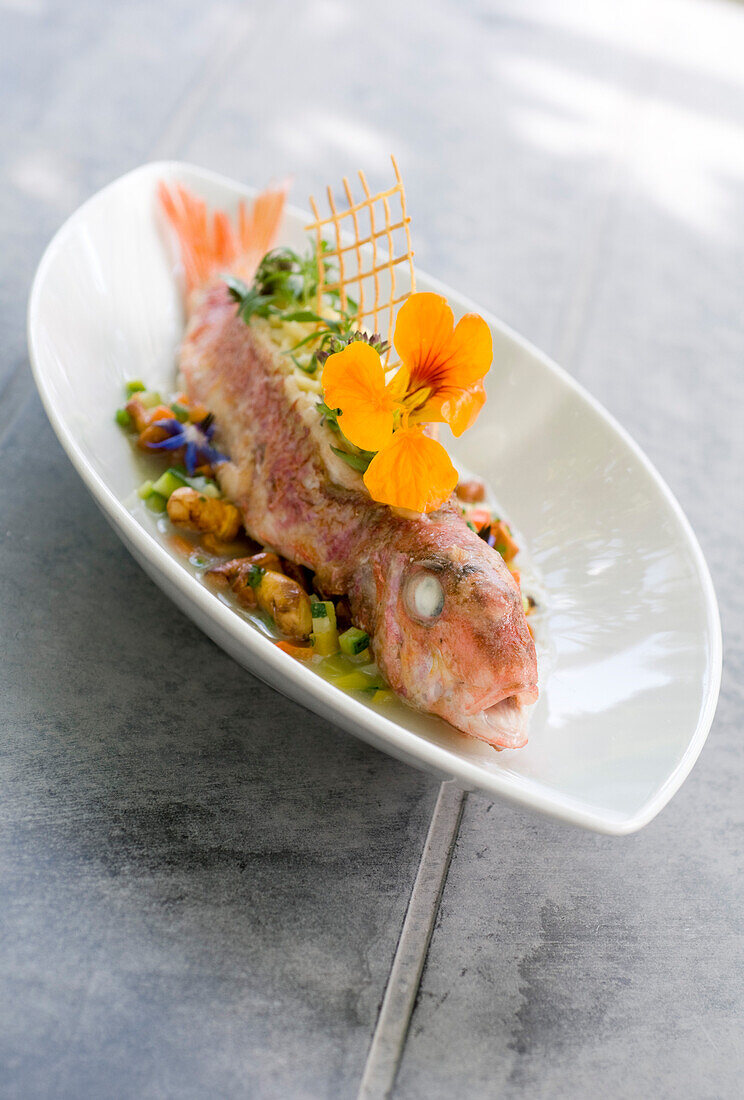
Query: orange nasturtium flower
{"type": "Point", "coordinates": [440, 379]}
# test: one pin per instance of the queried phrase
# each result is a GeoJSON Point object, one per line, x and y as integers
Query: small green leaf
{"type": "Point", "coordinates": [307, 340]}
{"type": "Point", "coordinates": [238, 289]}
{"type": "Point", "coordinates": [303, 315]}
{"type": "Point", "coordinates": [260, 304]}
{"type": "Point", "coordinates": [330, 416]}
{"type": "Point", "coordinates": [358, 462]}
{"type": "Point", "coordinates": [308, 368]}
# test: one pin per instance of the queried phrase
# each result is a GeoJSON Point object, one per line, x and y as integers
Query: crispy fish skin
{"type": "Point", "coordinates": [474, 662]}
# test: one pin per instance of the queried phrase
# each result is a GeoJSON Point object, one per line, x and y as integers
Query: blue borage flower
{"type": "Point", "coordinates": [194, 438]}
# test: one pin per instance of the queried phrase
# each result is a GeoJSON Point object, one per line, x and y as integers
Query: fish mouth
{"type": "Point", "coordinates": [498, 717]}
{"type": "Point", "coordinates": [502, 725]}
{"type": "Point", "coordinates": [524, 694]}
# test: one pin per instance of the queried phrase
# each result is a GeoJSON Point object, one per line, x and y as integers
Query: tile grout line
{"type": "Point", "coordinates": [388, 1040]}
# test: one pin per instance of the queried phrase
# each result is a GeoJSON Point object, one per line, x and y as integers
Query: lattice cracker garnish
{"type": "Point", "coordinates": [363, 259]}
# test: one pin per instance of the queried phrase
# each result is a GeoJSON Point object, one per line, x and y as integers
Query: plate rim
{"type": "Point", "coordinates": [377, 729]}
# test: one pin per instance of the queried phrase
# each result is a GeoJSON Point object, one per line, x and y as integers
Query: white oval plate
{"type": "Point", "coordinates": [630, 655]}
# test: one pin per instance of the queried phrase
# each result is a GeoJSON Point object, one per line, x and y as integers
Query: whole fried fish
{"type": "Point", "coordinates": [444, 613]}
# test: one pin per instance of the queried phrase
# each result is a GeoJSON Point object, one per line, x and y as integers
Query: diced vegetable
{"type": "Point", "coordinates": [144, 490]}
{"type": "Point", "coordinates": [123, 419]}
{"type": "Point", "coordinates": [503, 541]}
{"type": "Point", "coordinates": [479, 517]}
{"type": "Point", "coordinates": [325, 642]}
{"type": "Point", "coordinates": [152, 434]}
{"type": "Point", "coordinates": [206, 485]}
{"type": "Point", "coordinates": [353, 641]}
{"type": "Point", "coordinates": [301, 652]}
{"type": "Point", "coordinates": [180, 411]}
{"type": "Point", "coordinates": [325, 634]}
{"type": "Point", "coordinates": [150, 398]}
{"type": "Point", "coordinates": [324, 609]}
{"type": "Point", "coordinates": [156, 503]}
{"type": "Point", "coordinates": [168, 482]}
{"type": "Point", "coordinates": [198, 413]}
{"type": "Point", "coordinates": [135, 387]}
{"type": "Point", "coordinates": [336, 665]}
{"type": "Point", "coordinates": [384, 695]}
{"type": "Point", "coordinates": [353, 681]}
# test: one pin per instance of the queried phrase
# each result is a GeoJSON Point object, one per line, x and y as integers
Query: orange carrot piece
{"type": "Point", "coordinates": [301, 652]}
{"type": "Point", "coordinates": [479, 517]}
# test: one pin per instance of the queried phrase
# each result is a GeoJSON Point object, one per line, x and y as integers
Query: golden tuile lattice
{"type": "Point", "coordinates": [380, 260]}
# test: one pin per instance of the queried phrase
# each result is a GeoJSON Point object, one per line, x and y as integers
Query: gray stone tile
{"type": "Point", "coordinates": [571, 965]}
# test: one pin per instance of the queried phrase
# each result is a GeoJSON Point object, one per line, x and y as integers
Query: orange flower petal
{"type": "Point", "coordinates": [412, 471]}
{"type": "Point", "coordinates": [469, 352]}
{"type": "Point", "coordinates": [450, 360]}
{"type": "Point", "coordinates": [458, 408]}
{"type": "Point", "coordinates": [423, 328]}
{"type": "Point", "coordinates": [354, 381]}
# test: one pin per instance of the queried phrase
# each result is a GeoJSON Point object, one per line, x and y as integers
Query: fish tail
{"type": "Point", "coordinates": [211, 243]}
{"type": "Point", "coordinates": [258, 227]}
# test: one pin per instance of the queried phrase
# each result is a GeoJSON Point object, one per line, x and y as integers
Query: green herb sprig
{"type": "Point", "coordinates": [285, 288]}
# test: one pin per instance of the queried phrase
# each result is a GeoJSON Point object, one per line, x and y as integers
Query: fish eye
{"type": "Point", "coordinates": [425, 596]}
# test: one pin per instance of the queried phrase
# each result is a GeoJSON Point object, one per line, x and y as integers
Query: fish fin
{"type": "Point", "coordinates": [258, 227]}
{"type": "Point", "coordinates": [212, 243]}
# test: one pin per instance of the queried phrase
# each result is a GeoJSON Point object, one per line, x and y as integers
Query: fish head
{"type": "Point", "coordinates": [451, 635]}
